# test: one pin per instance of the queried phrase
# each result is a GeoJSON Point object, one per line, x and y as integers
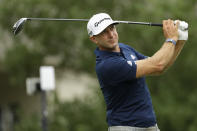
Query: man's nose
{"type": "Point", "coordinates": [110, 33]}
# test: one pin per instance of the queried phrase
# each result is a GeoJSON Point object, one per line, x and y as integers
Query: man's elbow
{"type": "Point", "coordinates": [150, 66]}
{"type": "Point", "coordinates": [160, 69]}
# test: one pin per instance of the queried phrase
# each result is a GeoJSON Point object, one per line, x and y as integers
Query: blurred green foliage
{"type": "Point", "coordinates": [174, 93]}
{"type": "Point", "coordinates": [85, 114]}
{"type": "Point", "coordinates": [28, 123]}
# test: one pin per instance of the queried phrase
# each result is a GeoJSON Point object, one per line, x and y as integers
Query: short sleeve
{"type": "Point", "coordinates": [140, 56]}
{"type": "Point", "coordinates": [116, 70]}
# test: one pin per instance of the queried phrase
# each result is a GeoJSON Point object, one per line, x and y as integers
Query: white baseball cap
{"type": "Point", "coordinates": [98, 23]}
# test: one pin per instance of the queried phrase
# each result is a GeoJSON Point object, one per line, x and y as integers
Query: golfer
{"type": "Point", "coordinates": [121, 72]}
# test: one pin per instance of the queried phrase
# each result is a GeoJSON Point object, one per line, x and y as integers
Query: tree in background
{"type": "Point", "coordinates": [87, 114]}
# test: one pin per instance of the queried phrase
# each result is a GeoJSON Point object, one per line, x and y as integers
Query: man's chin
{"type": "Point", "coordinates": [113, 45]}
{"type": "Point", "coordinates": [110, 47]}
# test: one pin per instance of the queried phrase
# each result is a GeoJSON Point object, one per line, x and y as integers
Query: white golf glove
{"type": "Point", "coordinates": [183, 30]}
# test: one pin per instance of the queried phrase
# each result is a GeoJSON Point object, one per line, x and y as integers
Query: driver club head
{"type": "Point", "coordinates": [18, 26]}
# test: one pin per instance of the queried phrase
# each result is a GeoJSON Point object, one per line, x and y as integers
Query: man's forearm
{"type": "Point", "coordinates": [165, 54]}
{"type": "Point", "coordinates": [178, 48]}
{"type": "Point", "coordinates": [156, 64]}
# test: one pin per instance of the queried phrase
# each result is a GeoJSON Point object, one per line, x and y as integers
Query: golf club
{"type": "Point", "coordinates": [18, 26]}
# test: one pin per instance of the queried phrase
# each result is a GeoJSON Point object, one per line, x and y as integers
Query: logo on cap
{"type": "Point", "coordinates": [97, 23]}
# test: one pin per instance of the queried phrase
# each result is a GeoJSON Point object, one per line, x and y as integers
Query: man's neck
{"type": "Point", "coordinates": [115, 49]}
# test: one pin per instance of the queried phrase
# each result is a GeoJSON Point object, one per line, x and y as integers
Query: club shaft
{"type": "Point", "coordinates": [86, 20]}
{"type": "Point", "coordinates": [140, 23]}
{"type": "Point", "coordinates": [19, 24]}
{"type": "Point", "coordinates": [54, 19]}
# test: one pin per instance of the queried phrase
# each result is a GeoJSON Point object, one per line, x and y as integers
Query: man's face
{"type": "Point", "coordinates": [107, 39]}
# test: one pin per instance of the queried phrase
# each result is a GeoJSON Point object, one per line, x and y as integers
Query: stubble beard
{"type": "Point", "coordinates": [109, 47]}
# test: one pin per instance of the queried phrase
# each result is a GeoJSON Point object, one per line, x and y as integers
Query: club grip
{"type": "Point", "coordinates": [156, 24]}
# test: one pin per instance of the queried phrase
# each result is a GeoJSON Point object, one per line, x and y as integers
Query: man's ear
{"type": "Point", "coordinates": [93, 39]}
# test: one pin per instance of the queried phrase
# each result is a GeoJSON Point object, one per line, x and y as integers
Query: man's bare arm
{"type": "Point", "coordinates": [158, 62]}
{"type": "Point", "coordinates": [178, 48]}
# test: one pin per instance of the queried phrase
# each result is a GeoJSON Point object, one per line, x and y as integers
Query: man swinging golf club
{"type": "Point", "coordinates": [121, 72]}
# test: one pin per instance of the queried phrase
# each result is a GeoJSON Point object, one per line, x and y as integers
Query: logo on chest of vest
{"type": "Point", "coordinates": [132, 57]}
{"type": "Point", "coordinates": [130, 63]}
